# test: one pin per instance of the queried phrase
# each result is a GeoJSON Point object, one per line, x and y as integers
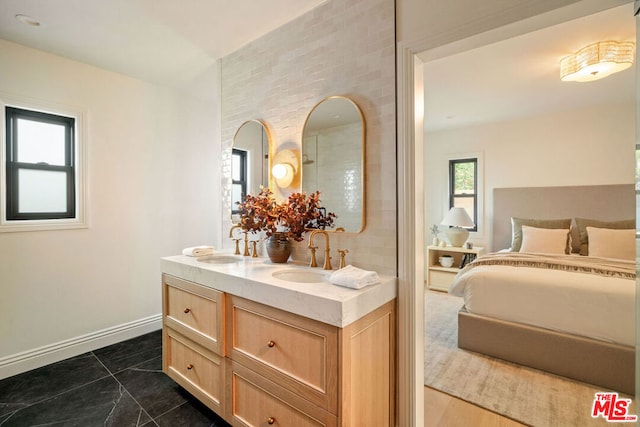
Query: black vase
{"type": "Point", "coordinates": [278, 248]}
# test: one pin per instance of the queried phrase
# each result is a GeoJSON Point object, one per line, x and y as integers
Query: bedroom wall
{"type": "Point", "coordinates": [342, 47]}
{"type": "Point", "coordinates": [548, 150]}
{"type": "Point", "coordinates": [152, 165]}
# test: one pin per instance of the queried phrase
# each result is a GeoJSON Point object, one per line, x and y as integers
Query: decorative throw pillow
{"type": "Point", "coordinates": [544, 240]}
{"type": "Point", "coordinates": [583, 223]}
{"type": "Point", "coordinates": [610, 243]}
{"type": "Point", "coordinates": [517, 223]}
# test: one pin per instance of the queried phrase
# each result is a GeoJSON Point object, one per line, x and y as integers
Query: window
{"type": "Point", "coordinates": [41, 169]}
{"type": "Point", "coordinates": [40, 165]}
{"type": "Point", "coordinates": [238, 178]}
{"type": "Point", "coordinates": [463, 186]}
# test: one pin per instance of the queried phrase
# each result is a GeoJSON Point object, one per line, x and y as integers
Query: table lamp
{"type": "Point", "coordinates": [457, 218]}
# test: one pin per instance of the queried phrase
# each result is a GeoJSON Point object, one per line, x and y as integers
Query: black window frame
{"type": "Point", "coordinates": [474, 196]}
{"type": "Point", "coordinates": [243, 181]}
{"type": "Point", "coordinates": [13, 166]}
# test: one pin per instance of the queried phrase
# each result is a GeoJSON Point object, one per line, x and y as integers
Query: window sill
{"type": "Point", "coordinates": [42, 225]}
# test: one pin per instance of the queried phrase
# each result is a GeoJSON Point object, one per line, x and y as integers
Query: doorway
{"type": "Point", "coordinates": [410, 161]}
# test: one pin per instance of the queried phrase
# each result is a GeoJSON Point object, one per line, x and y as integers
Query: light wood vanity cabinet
{"type": "Point", "coordinates": [278, 368]}
{"type": "Point", "coordinates": [256, 401]}
{"type": "Point", "coordinates": [298, 353]}
{"type": "Point", "coordinates": [192, 339]}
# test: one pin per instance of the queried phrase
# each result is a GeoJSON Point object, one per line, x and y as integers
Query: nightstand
{"type": "Point", "coordinates": [438, 277]}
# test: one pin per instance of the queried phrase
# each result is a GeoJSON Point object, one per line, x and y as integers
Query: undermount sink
{"type": "Point", "coordinates": [217, 259]}
{"type": "Point", "coordinates": [301, 276]}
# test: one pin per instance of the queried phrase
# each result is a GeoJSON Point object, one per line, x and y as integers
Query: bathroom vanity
{"type": "Point", "coordinates": [276, 344]}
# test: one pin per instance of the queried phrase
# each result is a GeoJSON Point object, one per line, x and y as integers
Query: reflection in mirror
{"type": "Point", "coordinates": [249, 162]}
{"type": "Point", "coordinates": [333, 159]}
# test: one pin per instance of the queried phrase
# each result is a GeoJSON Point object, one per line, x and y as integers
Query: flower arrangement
{"type": "Point", "coordinates": [291, 218]}
{"type": "Point", "coordinates": [434, 230]}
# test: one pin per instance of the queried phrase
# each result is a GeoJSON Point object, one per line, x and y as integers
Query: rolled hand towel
{"type": "Point", "coordinates": [198, 251]}
{"type": "Point", "coordinates": [354, 277]}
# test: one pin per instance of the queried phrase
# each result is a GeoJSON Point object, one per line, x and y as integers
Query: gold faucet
{"type": "Point", "coordinates": [233, 228]}
{"type": "Point", "coordinates": [313, 262]}
{"type": "Point", "coordinates": [246, 240]}
{"type": "Point", "coordinates": [342, 253]}
{"type": "Point", "coordinates": [327, 250]}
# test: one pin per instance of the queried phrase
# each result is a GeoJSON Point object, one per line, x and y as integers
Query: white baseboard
{"type": "Point", "coordinates": [35, 358]}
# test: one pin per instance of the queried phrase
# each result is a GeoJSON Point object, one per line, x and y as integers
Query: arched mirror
{"type": "Point", "coordinates": [333, 159]}
{"type": "Point", "coordinates": [249, 162]}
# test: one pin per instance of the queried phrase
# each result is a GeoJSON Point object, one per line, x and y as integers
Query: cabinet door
{"type": "Point", "coordinates": [296, 352]}
{"type": "Point", "coordinates": [368, 365]}
{"type": "Point", "coordinates": [195, 311]}
{"type": "Point", "coordinates": [255, 401]}
{"type": "Point", "coordinates": [197, 369]}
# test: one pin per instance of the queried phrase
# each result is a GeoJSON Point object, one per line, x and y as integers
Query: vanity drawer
{"type": "Point", "coordinates": [296, 352]}
{"type": "Point", "coordinates": [197, 369]}
{"type": "Point", "coordinates": [258, 402]}
{"type": "Point", "coordinates": [195, 311]}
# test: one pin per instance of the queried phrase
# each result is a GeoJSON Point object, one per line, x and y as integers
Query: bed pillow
{"type": "Point", "coordinates": [517, 223]}
{"type": "Point", "coordinates": [544, 240]}
{"type": "Point", "coordinates": [583, 223]}
{"type": "Point", "coordinates": [610, 243]}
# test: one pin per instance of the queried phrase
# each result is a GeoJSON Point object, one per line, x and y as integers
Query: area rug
{"type": "Point", "coordinates": [526, 395]}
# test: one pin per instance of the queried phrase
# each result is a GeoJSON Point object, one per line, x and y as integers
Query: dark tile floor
{"type": "Point", "coordinates": [120, 385]}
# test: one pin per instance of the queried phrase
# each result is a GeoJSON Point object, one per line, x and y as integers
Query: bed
{"type": "Point", "coordinates": [551, 307]}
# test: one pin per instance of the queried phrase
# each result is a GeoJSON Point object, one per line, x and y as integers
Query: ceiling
{"type": "Point", "coordinates": [177, 43]}
{"type": "Point", "coordinates": [168, 42]}
{"type": "Point", "coordinates": [519, 77]}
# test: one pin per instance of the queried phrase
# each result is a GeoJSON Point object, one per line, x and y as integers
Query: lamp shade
{"type": "Point", "coordinates": [596, 61]}
{"type": "Point", "coordinates": [457, 217]}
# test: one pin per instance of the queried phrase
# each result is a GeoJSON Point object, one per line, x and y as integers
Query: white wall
{"type": "Point", "coordinates": [587, 147]}
{"type": "Point", "coordinates": [153, 161]}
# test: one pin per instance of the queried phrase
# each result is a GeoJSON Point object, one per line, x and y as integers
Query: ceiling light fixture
{"type": "Point", "coordinates": [28, 20]}
{"type": "Point", "coordinates": [597, 61]}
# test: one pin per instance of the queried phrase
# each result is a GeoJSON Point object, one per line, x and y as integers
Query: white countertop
{"type": "Point", "coordinates": [251, 278]}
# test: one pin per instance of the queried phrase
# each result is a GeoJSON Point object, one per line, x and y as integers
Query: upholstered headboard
{"type": "Point", "coordinates": [603, 202]}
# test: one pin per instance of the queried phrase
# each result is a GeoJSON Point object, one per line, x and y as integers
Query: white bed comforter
{"type": "Point", "coordinates": [578, 303]}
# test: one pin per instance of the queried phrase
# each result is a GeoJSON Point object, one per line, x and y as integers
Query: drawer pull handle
{"type": "Point", "coordinates": [271, 344]}
{"type": "Point", "coordinates": [271, 420]}
{"type": "Point", "coordinates": [187, 310]}
{"type": "Point", "coordinates": [189, 366]}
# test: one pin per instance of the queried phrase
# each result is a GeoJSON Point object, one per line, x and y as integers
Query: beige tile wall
{"type": "Point", "coordinates": [343, 47]}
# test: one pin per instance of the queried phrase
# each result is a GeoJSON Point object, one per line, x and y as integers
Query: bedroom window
{"type": "Point", "coordinates": [239, 178]}
{"type": "Point", "coordinates": [40, 170]}
{"type": "Point", "coordinates": [463, 186]}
